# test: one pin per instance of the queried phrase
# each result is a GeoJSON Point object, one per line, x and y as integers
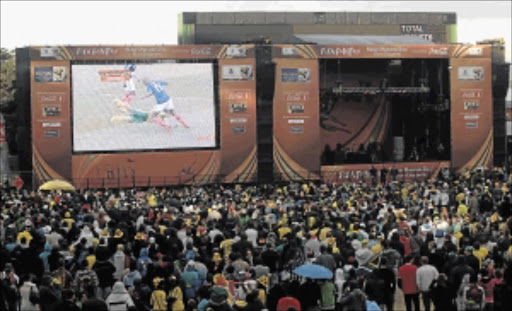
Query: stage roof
{"type": "Point", "coordinates": [359, 40]}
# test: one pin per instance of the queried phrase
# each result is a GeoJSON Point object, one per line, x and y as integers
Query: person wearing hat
{"type": "Point", "coordinates": [218, 300]}
{"type": "Point", "coordinates": [175, 295]}
{"type": "Point", "coordinates": [119, 299]}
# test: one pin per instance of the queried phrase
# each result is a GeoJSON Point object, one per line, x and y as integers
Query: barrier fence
{"type": "Point", "coordinates": [10, 180]}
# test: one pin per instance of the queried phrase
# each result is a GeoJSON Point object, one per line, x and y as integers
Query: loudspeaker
{"type": "Point", "coordinates": [22, 99]}
{"type": "Point", "coordinates": [265, 80]}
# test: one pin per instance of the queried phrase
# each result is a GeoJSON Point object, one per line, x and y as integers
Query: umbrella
{"type": "Point", "coordinates": [57, 185]}
{"type": "Point", "coordinates": [313, 271]}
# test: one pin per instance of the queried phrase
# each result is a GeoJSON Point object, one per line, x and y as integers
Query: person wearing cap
{"type": "Point", "coordinates": [158, 300]}
{"type": "Point", "coordinates": [26, 233]}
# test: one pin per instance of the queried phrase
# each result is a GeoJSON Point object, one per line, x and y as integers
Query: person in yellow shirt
{"type": "Point", "coordinates": [91, 258]}
{"type": "Point", "coordinates": [158, 300]}
{"type": "Point", "coordinates": [24, 234]}
{"type": "Point", "coordinates": [284, 230]}
{"type": "Point", "coordinates": [377, 248]}
{"type": "Point", "coordinates": [68, 220]}
{"type": "Point", "coordinates": [324, 232]}
{"type": "Point", "coordinates": [480, 252]}
{"type": "Point", "coordinates": [175, 295]}
{"type": "Point", "coordinates": [462, 210]}
{"type": "Point", "coordinates": [227, 245]}
{"type": "Point", "coordinates": [460, 197]}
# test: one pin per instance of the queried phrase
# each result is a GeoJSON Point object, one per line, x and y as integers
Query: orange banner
{"type": "Point", "coordinates": [406, 171]}
{"type": "Point", "coordinates": [382, 51]}
{"type": "Point", "coordinates": [296, 111]}
{"type": "Point", "coordinates": [471, 112]}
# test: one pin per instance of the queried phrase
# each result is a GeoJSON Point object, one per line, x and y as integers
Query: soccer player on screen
{"type": "Point", "coordinates": [163, 100]}
{"type": "Point", "coordinates": [132, 115]}
{"type": "Point", "coordinates": [129, 85]}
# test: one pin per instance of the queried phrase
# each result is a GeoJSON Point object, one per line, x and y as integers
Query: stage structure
{"type": "Point", "coordinates": [125, 116]}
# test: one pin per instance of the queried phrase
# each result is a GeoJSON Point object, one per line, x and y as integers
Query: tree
{"type": "Point", "coordinates": [7, 77]}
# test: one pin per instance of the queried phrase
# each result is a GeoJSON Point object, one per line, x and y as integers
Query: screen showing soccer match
{"type": "Point", "coordinates": [125, 107]}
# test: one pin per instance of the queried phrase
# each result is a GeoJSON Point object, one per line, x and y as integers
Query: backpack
{"type": "Point", "coordinates": [33, 296]}
{"type": "Point", "coordinates": [474, 297]}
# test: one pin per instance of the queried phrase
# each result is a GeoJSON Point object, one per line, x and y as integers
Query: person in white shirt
{"type": "Point", "coordinates": [425, 275]}
{"type": "Point", "coordinates": [252, 235]}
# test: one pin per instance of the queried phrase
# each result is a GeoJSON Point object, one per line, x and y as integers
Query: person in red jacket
{"type": "Point", "coordinates": [407, 280]}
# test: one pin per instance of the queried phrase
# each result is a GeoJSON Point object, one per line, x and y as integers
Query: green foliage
{"type": "Point", "coordinates": [7, 76]}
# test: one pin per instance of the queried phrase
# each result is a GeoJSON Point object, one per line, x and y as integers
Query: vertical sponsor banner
{"type": "Point", "coordinates": [51, 115]}
{"type": "Point", "coordinates": [237, 89]}
{"type": "Point", "coordinates": [471, 112]}
{"type": "Point", "coordinates": [297, 146]}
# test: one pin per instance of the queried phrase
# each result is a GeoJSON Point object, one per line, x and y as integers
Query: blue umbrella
{"type": "Point", "coordinates": [313, 271]}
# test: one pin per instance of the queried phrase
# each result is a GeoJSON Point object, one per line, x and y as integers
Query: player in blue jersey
{"type": "Point", "coordinates": [163, 100]}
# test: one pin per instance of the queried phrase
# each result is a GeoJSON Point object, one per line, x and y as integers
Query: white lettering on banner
{"type": "Point", "coordinates": [385, 49]}
{"type": "Point", "coordinates": [476, 51]}
{"type": "Point", "coordinates": [412, 28]}
{"type": "Point", "coordinates": [238, 95]}
{"type": "Point", "coordinates": [289, 51]}
{"type": "Point", "coordinates": [471, 93]}
{"type": "Point", "coordinates": [340, 51]}
{"type": "Point", "coordinates": [296, 121]}
{"type": "Point", "coordinates": [438, 51]}
{"type": "Point", "coordinates": [471, 117]}
{"type": "Point", "coordinates": [95, 51]}
{"type": "Point", "coordinates": [238, 120]}
{"type": "Point", "coordinates": [55, 124]}
{"type": "Point", "coordinates": [425, 36]}
{"type": "Point", "coordinates": [50, 98]}
{"type": "Point", "coordinates": [299, 96]}
{"type": "Point", "coordinates": [201, 51]}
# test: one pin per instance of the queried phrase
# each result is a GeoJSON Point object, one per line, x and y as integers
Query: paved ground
{"type": "Point", "coordinates": [191, 89]}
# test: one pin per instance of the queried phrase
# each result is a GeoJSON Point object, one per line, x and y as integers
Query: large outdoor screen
{"type": "Point", "coordinates": [150, 106]}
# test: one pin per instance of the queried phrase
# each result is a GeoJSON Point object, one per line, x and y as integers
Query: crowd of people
{"type": "Point", "coordinates": [444, 244]}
